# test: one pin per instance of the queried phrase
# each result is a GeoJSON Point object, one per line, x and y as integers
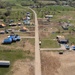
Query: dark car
{"type": "Point", "coordinates": [60, 52]}
{"type": "Point", "coordinates": [73, 48]}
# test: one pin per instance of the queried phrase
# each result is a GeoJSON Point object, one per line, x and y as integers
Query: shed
{"type": "Point", "coordinates": [19, 24]}
{"type": "Point", "coordinates": [23, 29]}
{"type": "Point", "coordinates": [7, 41]}
{"type": "Point", "coordinates": [2, 25]}
{"type": "Point", "coordinates": [4, 63]}
{"type": "Point", "coordinates": [65, 27]}
{"type": "Point", "coordinates": [62, 39]}
{"type": "Point", "coordinates": [2, 32]}
{"type": "Point", "coordinates": [48, 16]}
{"type": "Point", "coordinates": [11, 21]}
{"type": "Point", "coordinates": [12, 24]}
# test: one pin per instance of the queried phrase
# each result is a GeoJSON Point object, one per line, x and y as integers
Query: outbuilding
{"type": "Point", "coordinates": [4, 63]}
{"type": "Point", "coordinates": [12, 24]}
{"type": "Point", "coordinates": [7, 41]}
{"type": "Point", "coordinates": [62, 39]}
{"type": "Point", "coordinates": [2, 25]}
{"type": "Point", "coordinates": [2, 32]}
{"type": "Point", "coordinates": [48, 16]}
{"type": "Point", "coordinates": [65, 27]}
{"type": "Point", "coordinates": [23, 29]}
{"type": "Point", "coordinates": [19, 24]}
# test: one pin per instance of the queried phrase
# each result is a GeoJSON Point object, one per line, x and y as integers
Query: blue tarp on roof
{"type": "Point", "coordinates": [11, 38]}
{"type": "Point", "coordinates": [7, 41]}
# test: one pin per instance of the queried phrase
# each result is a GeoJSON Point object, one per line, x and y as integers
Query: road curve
{"type": "Point", "coordinates": [37, 49]}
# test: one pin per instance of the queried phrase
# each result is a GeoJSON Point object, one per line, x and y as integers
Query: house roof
{"type": "Point", "coordinates": [11, 24]}
{"type": "Point", "coordinates": [48, 16]}
{"type": "Point", "coordinates": [24, 28]}
{"type": "Point", "coordinates": [19, 23]}
{"type": "Point", "coordinates": [60, 36]}
{"type": "Point", "coordinates": [1, 24]}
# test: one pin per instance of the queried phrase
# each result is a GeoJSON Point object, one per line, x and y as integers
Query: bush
{"type": "Point", "coordinates": [7, 13]}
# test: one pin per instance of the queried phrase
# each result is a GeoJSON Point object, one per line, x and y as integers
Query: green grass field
{"type": "Point", "coordinates": [12, 56]}
{"type": "Point", "coordinates": [58, 13]}
{"type": "Point", "coordinates": [47, 43]}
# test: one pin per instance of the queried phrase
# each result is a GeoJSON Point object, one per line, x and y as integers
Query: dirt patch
{"type": "Point", "coordinates": [28, 46]}
{"type": "Point", "coordinates": [25, 67]}
{"type": "Point", "coordinates": [31, 28]}
{"type": "Point", "coordinates": [46, 29]}
{"type": "Point", "coordinates": [24, 45]}
{"type": "Point", "coordinates": [50, 63]}
{"type": "Point", "coordinates": [54, 63]}
{"type": "Point", "coordinates": [67, 63]}
{"type": "Point", "coordinates": [44, 34]}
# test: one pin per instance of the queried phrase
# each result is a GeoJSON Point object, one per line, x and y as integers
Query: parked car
{"type": "Point", "coordinates": [67, 47]}
{"type": "Point", "coordinates": [39, 42]}
{"type": "Point", "coordinates": [61, 52]}
{"type": "Point", "coordinates": [6, 31]}
{"type": "Point", "coordinates": [73, 48]}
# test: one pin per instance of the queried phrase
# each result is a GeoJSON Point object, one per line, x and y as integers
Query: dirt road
{"type": "Point", "coordinates": [37, 51]}
{"type": "Point", "coordinates": [67, 61]}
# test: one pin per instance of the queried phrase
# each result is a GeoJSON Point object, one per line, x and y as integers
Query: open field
{"type": "Point", "coordinates": [13, 56]}
{"type": "Point", "coordinates": [49, 43]}
{"type": "Point", "coordinates": [24, 44]}
{"type": "Point", "coordinates": [59, 12]}
{"type": "Point", "coordinates": [49, 30]}
{"type": "Point", "coordinates": [21, 53]}
{"type": "Point", "coordinates": [50, 63]}
{"type": "Point", "coordinates": [55, 64]}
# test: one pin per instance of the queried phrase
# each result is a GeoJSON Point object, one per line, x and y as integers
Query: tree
{"type": "Point", "coordinates": [7, 13]}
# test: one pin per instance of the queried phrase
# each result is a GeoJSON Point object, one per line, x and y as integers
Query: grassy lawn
{"type": "Point", "coordinates": [71, 38]}
{"type": "Point", "coordinates": [63, 13]}
{"type": "Point", "coordinates": [17, 13]}
{"type": "Point", "coordinates": [12, 56]}
{"type": "Point", "coordinates": [19, 44]}
{"type": "Point", "coordinates": [49, 44]}
{"type": "Point", "coordinates": [58, 12]}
